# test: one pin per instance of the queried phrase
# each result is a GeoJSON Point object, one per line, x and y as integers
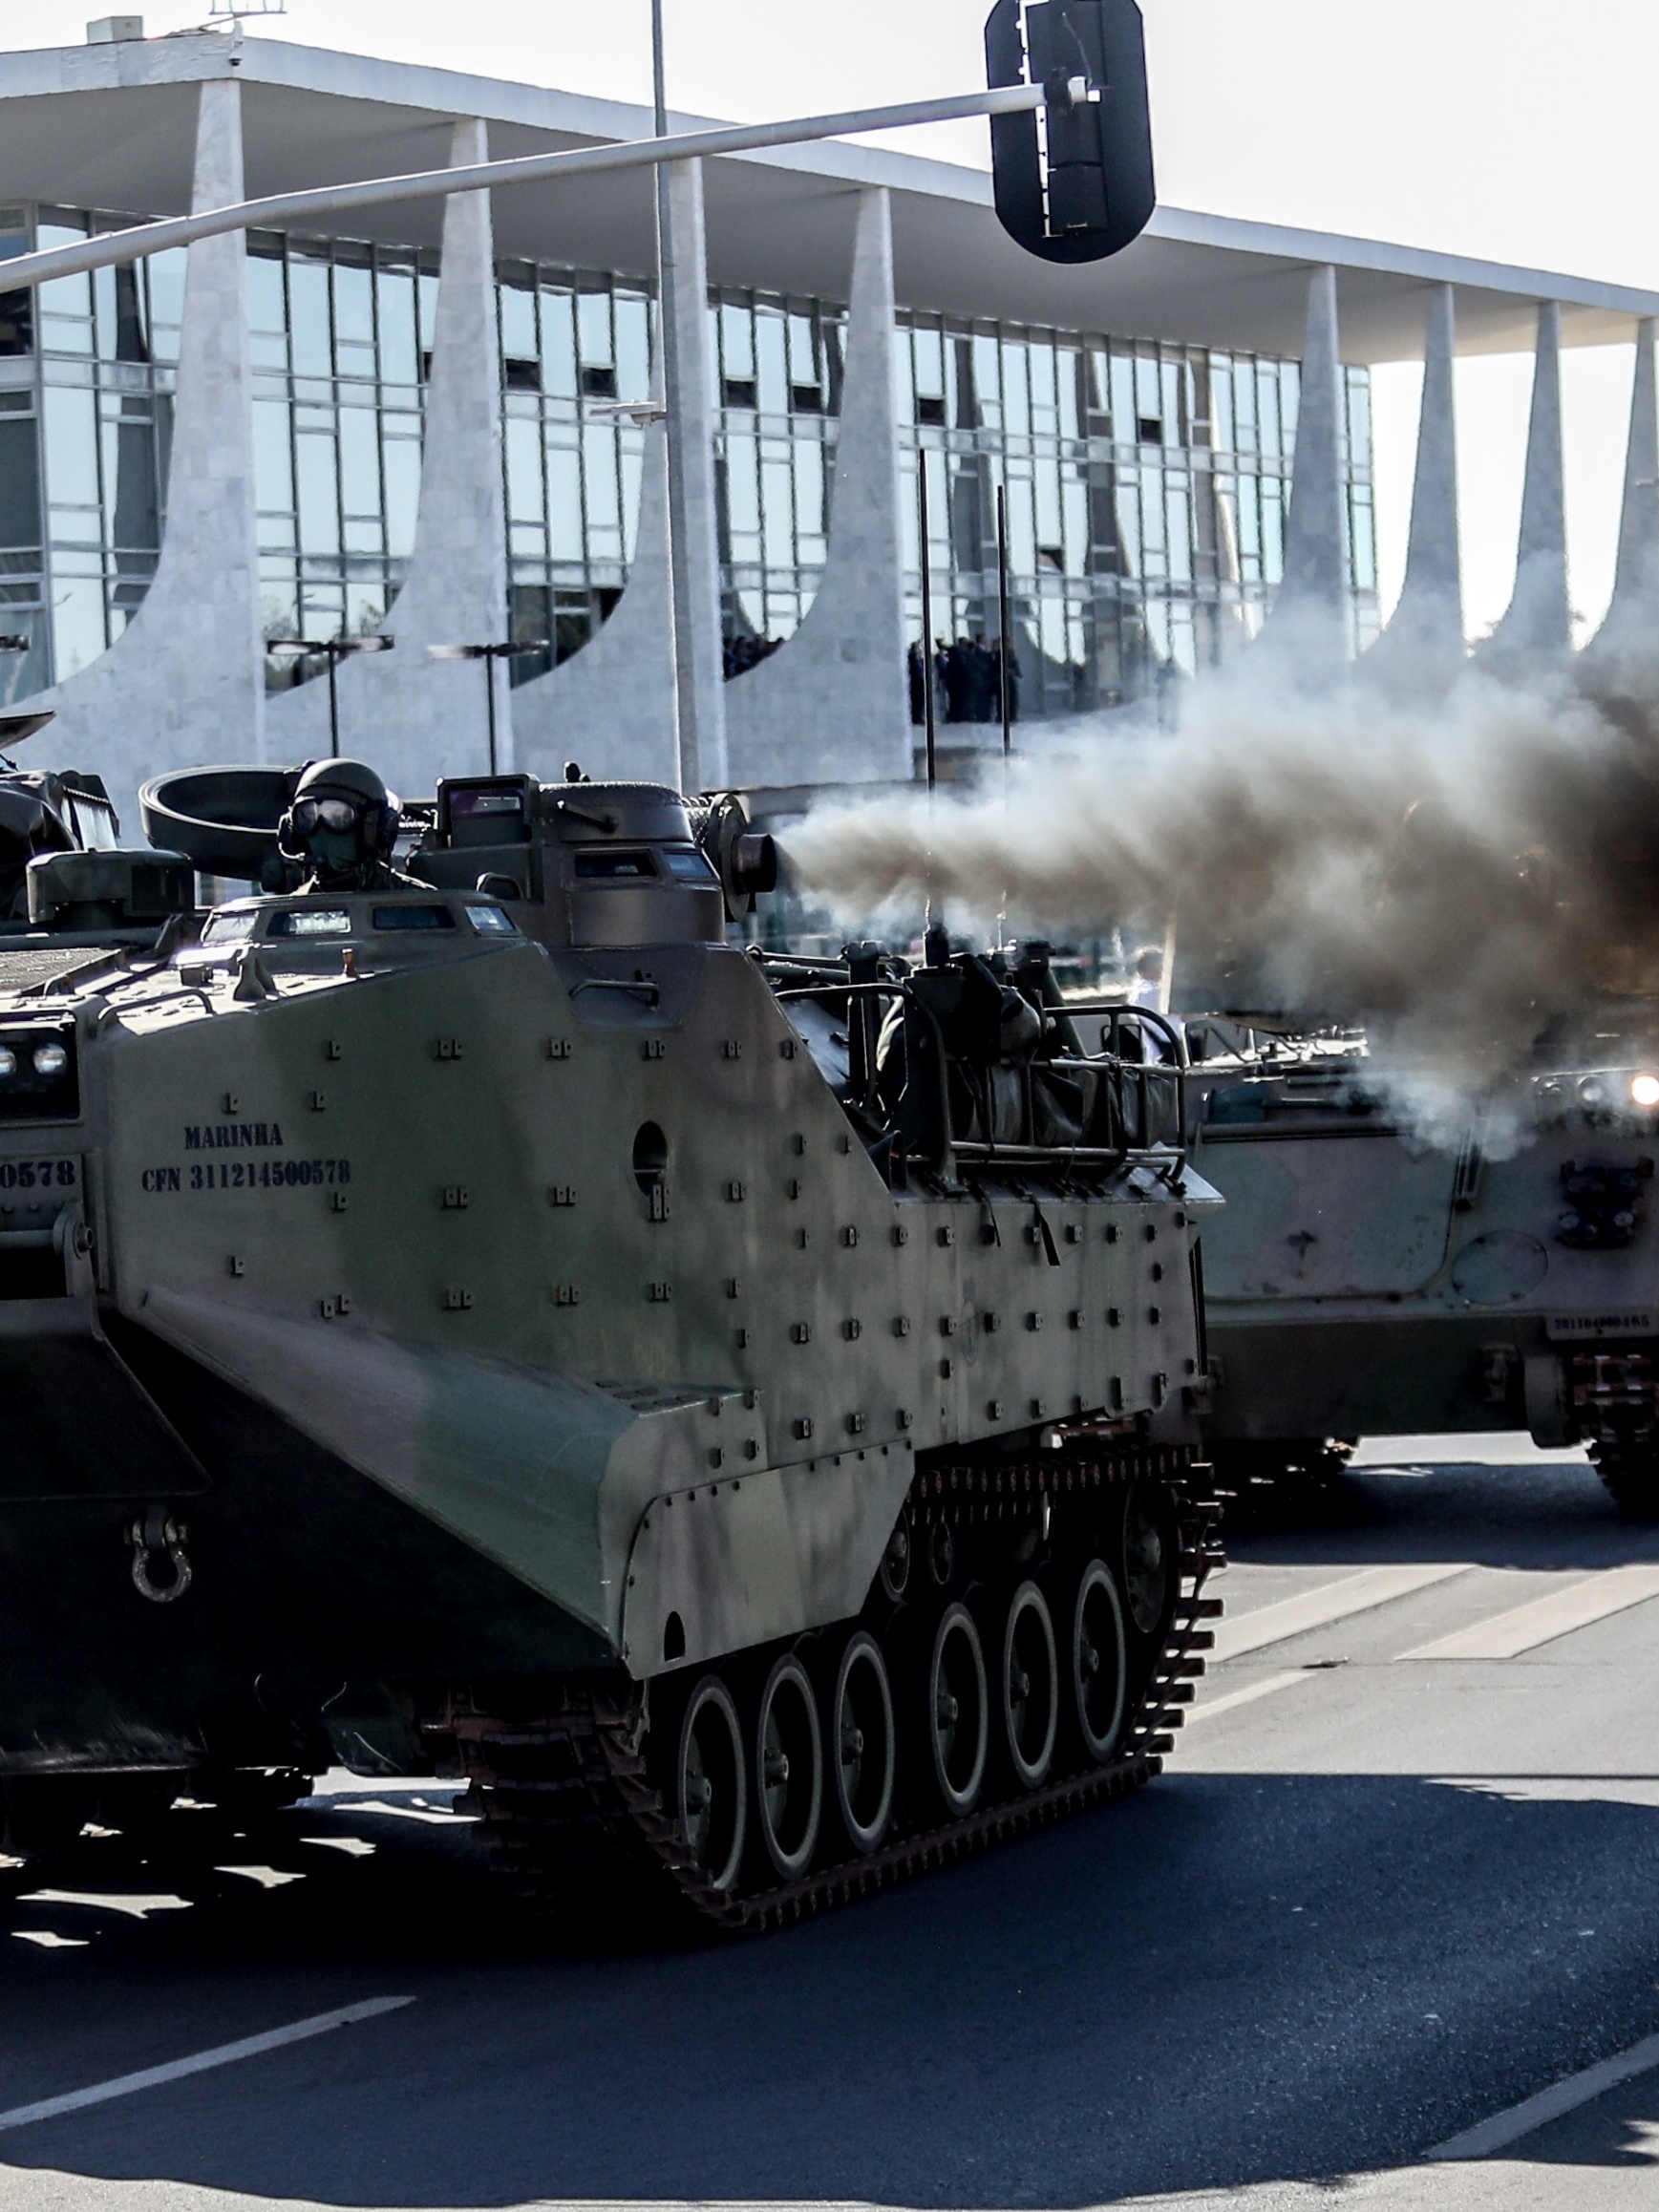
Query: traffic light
{"type": "Point", "coordinates": [1077, 184]}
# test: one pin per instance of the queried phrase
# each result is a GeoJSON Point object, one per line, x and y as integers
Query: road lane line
{"type": "Point", "coordinates": [1245, 1696]}
{"type": "Point", "coordinates": [1549, 2104]}
{"type": "Point", "coordinates": [200, 2062]}
{"type": "Point", "coordinates": [1540, 1620]}
{"type": "Point", "coordinates": [135, 1907]}
{"type": "Point", "coordinates": [1331, 1602]}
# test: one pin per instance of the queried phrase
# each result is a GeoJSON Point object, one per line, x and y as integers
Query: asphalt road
{"type": "Point", "coordinates": [1403, 1874]}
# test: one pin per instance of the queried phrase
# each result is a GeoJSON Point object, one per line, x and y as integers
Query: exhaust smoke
{"type": "Point", "coordinates": [1455, 877]}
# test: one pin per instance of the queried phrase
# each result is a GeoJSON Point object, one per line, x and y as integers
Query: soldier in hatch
{"type": "Point", "coordinates": [340, 826]}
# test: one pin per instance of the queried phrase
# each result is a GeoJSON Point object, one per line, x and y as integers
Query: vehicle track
{"type": "Point", "coordinates": [573, 1814]}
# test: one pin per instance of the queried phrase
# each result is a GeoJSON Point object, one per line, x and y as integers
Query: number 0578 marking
{"type": "Point", "coordinates": [39, 1174]}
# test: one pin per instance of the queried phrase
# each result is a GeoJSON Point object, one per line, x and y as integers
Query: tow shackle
{"type": "Point", "coordinates": [154, 1532]}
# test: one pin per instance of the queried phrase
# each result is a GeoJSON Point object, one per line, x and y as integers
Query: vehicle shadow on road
{"type": "Point", "coordinates": [1228, 1979]}
{"type": "Point", "coordinates": [1620, 2130]}
{"type": "Point", "coordinates": [1550, 1514]}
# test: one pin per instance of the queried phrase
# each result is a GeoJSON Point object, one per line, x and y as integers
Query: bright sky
{"type": "Point", "coordinates": [1514, 130]}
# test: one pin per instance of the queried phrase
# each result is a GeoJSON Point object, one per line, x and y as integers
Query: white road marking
{"type": "Point", "coordinates": [1330, 1601]}
{"type": "Point", "coordinates": [1557, 1613]}
{"type": "Point", "coordinates": [1549, 2104]}
{"type": "Point", "coordinates": [96, 1900]}
{"type": "Point", "coordinates": [413, 1812]}
{"type": "Point", "coordinates": [267, 1876]}
{"type": "Point", "coordinates": [1245, 1696]}
{"type": "Point", "coordinates": [1479, 1448]}
{"type": "Point", "coordinates": [200, 2062]}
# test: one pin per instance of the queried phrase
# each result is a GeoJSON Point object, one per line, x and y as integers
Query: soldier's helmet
{"type": "Point", "coordinates": [336, 800]}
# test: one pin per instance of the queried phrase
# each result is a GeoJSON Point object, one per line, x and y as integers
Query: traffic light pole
{"type": "Point", "coordinates": [111, 249]}
{"type": "Point", "coordinates": [1086, 196]}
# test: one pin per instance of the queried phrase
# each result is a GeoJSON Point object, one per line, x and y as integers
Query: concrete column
{"type": "Point", "coordinates": [416, 718]}
{"type": "Point", "coordinates": [186, 681]}
{"type": "Point", "coordinates": [831, 705]}
{"type": "Point", "coordinates": [611, 704]}
{"type": "Point", "coordinates": [1621, 660]}
{"type": "Point", "coordinates": [1537, 630]}
{"type": "Point", "coordinates": [1307, 623]}
{"type": "Point", "coordinates": [1423, 647]}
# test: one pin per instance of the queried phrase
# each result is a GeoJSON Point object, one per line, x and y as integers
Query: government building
{"type": "Point", "coordinates": [436, 422]}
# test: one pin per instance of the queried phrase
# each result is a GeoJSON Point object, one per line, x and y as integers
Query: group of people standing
{"type": "Point", "coordinates": [966, 681]}
{"type": "Point", "coordinates": [745, 652]}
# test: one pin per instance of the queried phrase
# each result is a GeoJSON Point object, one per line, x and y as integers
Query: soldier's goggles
{"type": "Point", "coordinates": [329, 814]}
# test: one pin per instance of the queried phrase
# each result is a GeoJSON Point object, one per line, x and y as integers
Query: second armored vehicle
{"type": "Point", "coordinates": [1364, 1281]}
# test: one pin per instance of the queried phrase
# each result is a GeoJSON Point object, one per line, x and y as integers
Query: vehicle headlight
{"type": "Point", "coordinates": [1645, 1090]}
{"type": "Point", "coordinates": [1594, 1091]}
{"type": "Point", "coordinates": [50, 1061]}
{"type": "Point", "coordinates": [8, 1063]}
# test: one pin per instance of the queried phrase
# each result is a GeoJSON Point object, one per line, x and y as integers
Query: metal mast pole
{"type": "Point", "coordinates": [928, 724]}
{"type": "Point", "coordinates": [928, 715]}
{"type": "Point", "coordinates": [1002, 677]}
{"type": "Point", "coordinates": [1002, 625]}
{"type": "Point", "coordinates": [686, 731]}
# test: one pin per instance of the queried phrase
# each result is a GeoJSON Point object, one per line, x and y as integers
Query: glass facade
{"type": "Point", "coordinates": [1145, 489]}
{"type": "Point", "coordinates": [778, 366]}
{"type": "Point", "coordinates": [575, 357]}
{"type": "Point", "coordinates": [338, 336]}
{"type": "Point", "coordinates": [87, 370]}
{"type": "Point", "coordinates": [1145, 484]}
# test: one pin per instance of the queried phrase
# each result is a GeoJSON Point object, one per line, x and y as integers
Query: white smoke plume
{"type": "Point", "coordinates": [1455, 877]}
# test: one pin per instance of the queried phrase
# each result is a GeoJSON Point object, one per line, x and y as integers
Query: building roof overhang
{"type": "Point", "coordinates": [112, 127]}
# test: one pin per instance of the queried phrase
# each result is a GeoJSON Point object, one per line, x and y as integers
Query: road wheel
{"type": "Point", "coordinates": [941, 1555]}
{"type": "Point", "coordinates": [1098, 1662]}
{"type": "Point", "coordinates": [710, 1785]}
{"type": "Point", "coordinates": [1151, 1558]}
{"type": "Point", "coordinates": [1031, 1704]}
{"type": "Point", "coordinates": [862, 1743]}
{"type": "Point", "coordinates": [895, 1568]}
{"type": "Point", "coordinates": [788, 1769]}
{"type": "Point", "coordinates": [957, 1730]}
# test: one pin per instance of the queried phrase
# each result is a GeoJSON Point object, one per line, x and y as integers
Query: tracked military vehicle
{"type": "Point", "coordinates": [73, 904]}
{"type": "Point", "coordinates": [736, 1415]}
{"type": "Point", "coordinates": [66, 881]}
{"type": "Point", "coordinates": [1366, 1282]}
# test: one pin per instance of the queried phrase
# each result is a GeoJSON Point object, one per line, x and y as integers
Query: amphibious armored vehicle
{"type": "Point", "coordinates": [1365, 1281]}
{"type": "Point", "coordinates": [66, 881]}
{"type": "Point", "coordinates": [734, 1414]}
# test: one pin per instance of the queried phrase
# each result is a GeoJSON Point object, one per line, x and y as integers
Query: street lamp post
{"type": "Point", "coordinates": [333, 650]}
{"type": "Point", "coordinates": [687, 736]}
{"type": "Point", "coordinates": [499, 650]}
